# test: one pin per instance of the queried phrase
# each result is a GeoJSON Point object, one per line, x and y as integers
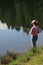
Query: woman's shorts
{"type": "Point", "coordinates": [34, 39]}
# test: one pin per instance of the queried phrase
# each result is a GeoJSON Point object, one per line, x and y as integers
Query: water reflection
{"type": "Point", "coordinates": [16, 40]}
{"type": "Point", "coordinates": [3, 25]}
{"type": "Point", "coordinates": [13, 39]}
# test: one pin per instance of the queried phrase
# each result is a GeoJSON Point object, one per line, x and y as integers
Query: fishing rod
{"type": "Point", "coordinates": [21, 27]}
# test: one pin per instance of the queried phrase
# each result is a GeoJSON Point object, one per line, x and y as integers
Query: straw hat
{"type": "Point", "coordinates": [33, 21]}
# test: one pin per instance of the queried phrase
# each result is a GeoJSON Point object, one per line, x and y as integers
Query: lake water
{"type": "Point", "coordinates": [19, 13]}
{"type": "Point", "coordinates": [16, 40]}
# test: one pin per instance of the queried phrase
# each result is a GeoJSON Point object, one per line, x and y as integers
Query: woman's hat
{"type": "Point", "coordinates": [33, 21]}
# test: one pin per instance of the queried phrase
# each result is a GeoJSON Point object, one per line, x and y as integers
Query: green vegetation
{"type": "Point", "coordinates": [21, 12]}
{"type": "Point", "coordinates": [31, 57]}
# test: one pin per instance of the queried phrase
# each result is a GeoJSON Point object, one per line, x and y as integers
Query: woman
{"type": "Point", "coordinates": [34, 32]}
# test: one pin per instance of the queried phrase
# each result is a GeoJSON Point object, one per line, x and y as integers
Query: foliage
{"type": "Point", "coordinates": [21, 12]}
{"type": "Point", "coordinates": [28, 58]}
{"type": "Point", "coordinates": [8, 57]}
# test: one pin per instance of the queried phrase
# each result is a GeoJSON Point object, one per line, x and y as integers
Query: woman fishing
{"type": "Point", "coordinates": [34, 31]}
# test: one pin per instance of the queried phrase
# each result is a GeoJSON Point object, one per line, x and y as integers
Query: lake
{"type": "Point", "coordinates": [15, 18]}
{"type": "Point", "coordinates": [13, 40]}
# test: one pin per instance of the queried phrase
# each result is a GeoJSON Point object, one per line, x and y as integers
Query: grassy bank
{"type": "Point", "coordinates": [31, 57]}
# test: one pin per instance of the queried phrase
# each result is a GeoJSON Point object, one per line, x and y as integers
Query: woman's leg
{"type": "Point", "coordinates": [34, 40]}
{"type": "Point", "coordinates": [34, 43]}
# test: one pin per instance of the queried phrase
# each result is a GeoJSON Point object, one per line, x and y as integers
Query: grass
{"type": "Point", "coordinates": [32, 57]}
